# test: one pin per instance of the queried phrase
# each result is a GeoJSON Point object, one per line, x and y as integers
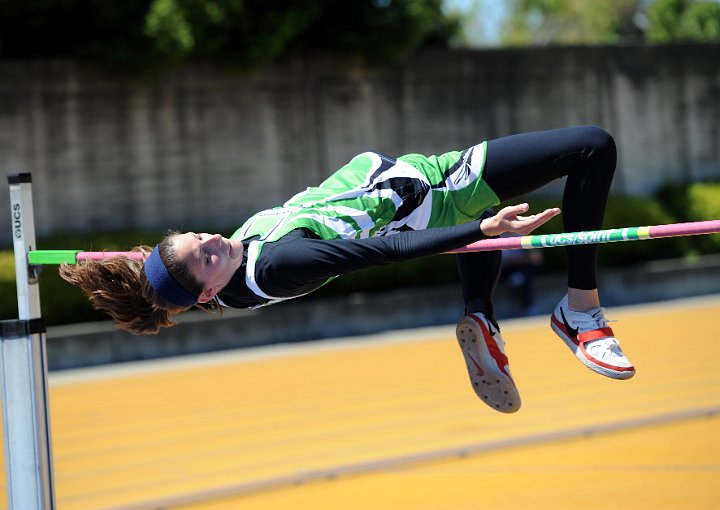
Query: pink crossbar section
{"type": "Point", "coordinates": [685, 229]}
{"type": "Point", "coordinates": [101, 255]}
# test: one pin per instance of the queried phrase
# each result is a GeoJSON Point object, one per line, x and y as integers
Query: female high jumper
{"type": "Point", "coordinates": [378, 210]}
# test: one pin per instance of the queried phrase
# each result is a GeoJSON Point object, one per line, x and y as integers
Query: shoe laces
{"type": "Point", "coordinates": [590, 320]}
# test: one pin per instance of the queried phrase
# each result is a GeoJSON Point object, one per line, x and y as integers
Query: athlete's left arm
{"type": "Point", "coordinates": [304, 260]}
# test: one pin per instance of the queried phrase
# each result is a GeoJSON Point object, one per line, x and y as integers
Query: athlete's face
{"type": "Point", "coordinates": [211, 258]}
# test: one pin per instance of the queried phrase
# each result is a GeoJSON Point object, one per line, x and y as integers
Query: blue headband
{"type": "Point", "coordinates": [163, 282]}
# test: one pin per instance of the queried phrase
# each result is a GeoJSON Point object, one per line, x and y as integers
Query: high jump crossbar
{"type": "Point", "coordinates": [594, 236]}
{"type": "Point", "coordinates": [40, 257]}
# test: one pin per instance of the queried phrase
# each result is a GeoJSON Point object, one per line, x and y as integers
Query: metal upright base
{"type": "Point", "coordinates": [25, 415]}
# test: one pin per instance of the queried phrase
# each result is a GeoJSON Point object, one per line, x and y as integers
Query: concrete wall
{"type": "Point", "coordinates": [207, 146]}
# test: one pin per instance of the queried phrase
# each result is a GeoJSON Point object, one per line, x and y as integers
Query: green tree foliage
{"type": "Point", "coordinates": [143, 33]}
{"type": "Point", "coordinates": [541, 22]}
{"type": "Point", "coordinates": [384, 30]}
{"type": "Point", "coordinates": [684, 20]}
{"type": "Point", "coordinates": [663, 18]}
{"type": "Point", "coordinates": [236, 29]}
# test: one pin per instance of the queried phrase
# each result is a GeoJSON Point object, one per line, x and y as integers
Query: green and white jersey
{"type": "Point", "coordinates": [375, 195]}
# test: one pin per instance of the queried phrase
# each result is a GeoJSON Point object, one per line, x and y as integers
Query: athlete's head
{"type": "Point", "coordinates": [208, 259]}
{"type": "Point", "coordinates": [182, 271]}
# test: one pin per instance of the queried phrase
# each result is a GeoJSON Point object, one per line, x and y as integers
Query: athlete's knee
{"type": "Point", "coordinates": [599, 139]}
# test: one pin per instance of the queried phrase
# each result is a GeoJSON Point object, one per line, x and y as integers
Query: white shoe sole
{"type": "Point", "coordinates": [593, 365]}
{"type": "Point", "coordinates": [490, 383]}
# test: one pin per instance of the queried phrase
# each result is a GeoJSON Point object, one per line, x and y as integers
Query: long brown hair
{"type": "Point", "coordinates": [119, 287]}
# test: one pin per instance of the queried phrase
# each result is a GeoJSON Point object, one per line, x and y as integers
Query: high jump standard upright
{"type": "Point", "coordinates": [23, 367]}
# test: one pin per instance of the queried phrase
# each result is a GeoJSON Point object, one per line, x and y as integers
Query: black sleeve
{"type": "Point", "coordinates": [296, 264]}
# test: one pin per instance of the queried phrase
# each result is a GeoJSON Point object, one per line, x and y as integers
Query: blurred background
{"type": "Point", "coordinates": [141, 116]}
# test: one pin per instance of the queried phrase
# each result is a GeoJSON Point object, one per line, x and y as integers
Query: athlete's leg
{"type": "Point", "coordinates": [514, 166]}
{"type": "Point", "coordinates": [519, 164]}
{"type": "Point", "coordinates": [479, 273]}
{"type": "Point", "coordinates": [587, 155]}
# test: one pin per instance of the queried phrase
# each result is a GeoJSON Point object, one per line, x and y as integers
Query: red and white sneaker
{"type": "Point", "coordinates": [484, 352]}
{"type": "Point", "coordinates": [593, 342]}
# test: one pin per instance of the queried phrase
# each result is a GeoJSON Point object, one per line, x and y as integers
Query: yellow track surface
{"type": "Point", "coordinates": [390, 422]}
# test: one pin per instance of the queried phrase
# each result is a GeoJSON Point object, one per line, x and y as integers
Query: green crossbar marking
{"type": "Point", "coordinates": [53, 256]}
{"type": "Point", "coordinates": [593, 236]}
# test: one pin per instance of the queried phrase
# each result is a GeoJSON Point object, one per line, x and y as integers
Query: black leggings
{"type": "Point", "coordinates": [519, 164]}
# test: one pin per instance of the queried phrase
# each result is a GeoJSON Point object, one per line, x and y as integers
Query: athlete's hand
{"type": "Point", "coordinates": [508, 219]}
